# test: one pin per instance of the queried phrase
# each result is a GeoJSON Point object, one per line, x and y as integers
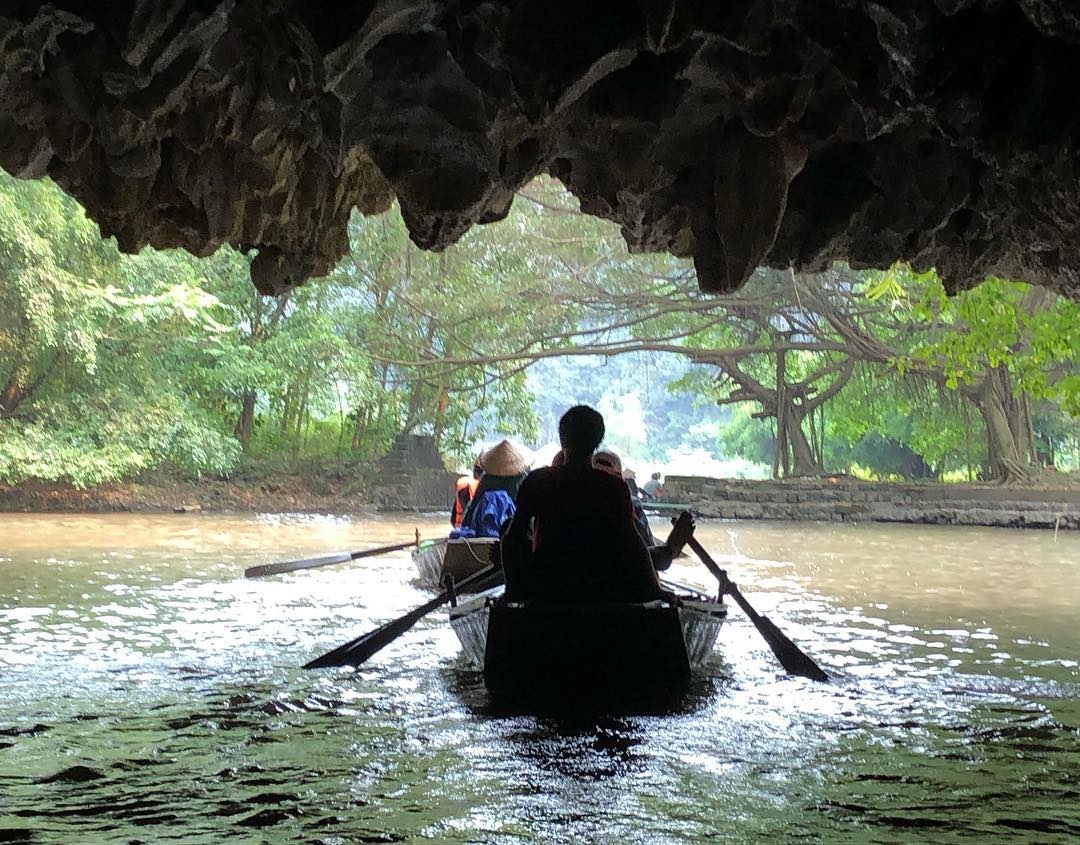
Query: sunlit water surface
{"type": "Point", "coordinates": [149, 693]}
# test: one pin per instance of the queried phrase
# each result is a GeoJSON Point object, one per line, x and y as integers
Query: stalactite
{"type": "Point", "coordinates": [760, 133]}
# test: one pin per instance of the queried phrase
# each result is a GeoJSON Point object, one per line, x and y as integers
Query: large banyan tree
{"type": "Point", "coordinates": [779, 132]}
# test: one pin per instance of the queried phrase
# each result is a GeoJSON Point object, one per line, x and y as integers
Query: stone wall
{"type": "Point", "coordinates": [412, 476]}
{"type": "Point", "coordinates": [847, 500]}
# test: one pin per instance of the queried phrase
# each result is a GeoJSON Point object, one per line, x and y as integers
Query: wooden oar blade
{"type": "Point", "coordinates": [355, 652]}
{"type": "Point", "coordinates": [325, 560]}
{"type": "Point", "coordinates": [794, 660]}
{"type": "Point", "coordinates": [358, 651]}
{"type": "Point", "coordinates": [791, 657]}
{"type": "Point", "coordinates": [294, 565]}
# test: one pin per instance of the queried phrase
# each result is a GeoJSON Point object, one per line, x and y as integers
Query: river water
{"type": "Point", "coordinates": [149, 693]}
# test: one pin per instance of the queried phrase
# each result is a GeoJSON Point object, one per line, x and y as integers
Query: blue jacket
{"type": "Point", "coordinates": [487, 514]}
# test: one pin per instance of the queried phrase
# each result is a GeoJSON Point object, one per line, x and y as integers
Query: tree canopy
{"type": "Point", "coordinates": [112, 366]}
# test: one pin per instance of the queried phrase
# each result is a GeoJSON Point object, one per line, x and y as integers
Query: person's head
{"type": "Point", "coordinates": [580, 431]}
{"type": "Point", "coordinates": [477, 468]}
{"type": "Point", "coordinates": [559, 459]}
{"type": "Point", "coordinates": [656, 476]}
{"type": "Point", "coordinates": [607, 461]}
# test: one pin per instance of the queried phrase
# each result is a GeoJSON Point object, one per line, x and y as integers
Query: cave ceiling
{"type": "Point", "coordinates": [742, 133]}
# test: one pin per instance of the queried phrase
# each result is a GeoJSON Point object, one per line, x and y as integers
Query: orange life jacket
{"type": "Point", "coordinates": [464, 490]}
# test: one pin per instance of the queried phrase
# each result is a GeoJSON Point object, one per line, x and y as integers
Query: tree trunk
{"type": "Point", "coordinates": [1006, 431]}
{"type": "Point", "coordinates": [19, 386]}
{"type": "Point", "coordinates": [412, 413]}
{"type": "Point", "coordinates": [821, 438]}
{"type": "Point", "coordinates": [287, 404]}
{"type": "Point", "coordinates": [301, 419]}
{"type": "Point", "coordinates": [359, 422]}
{"type": "Point", "coordinates": [780, 450]}
{"type": "Point", "coordinates": [441, 404]}
{"type": "Point", "coordinates": [804, 459]}
{"type": "Point", "coordinates": [380, 405]}
{"type": "Point", "coordinates": [1029, 430]}
{"type": "Point", "coordinates": [1005, 462]}
{"type": "Point", "coordinates": [11, 397]}
{"type": "Point", "coordinates": [246, 424]}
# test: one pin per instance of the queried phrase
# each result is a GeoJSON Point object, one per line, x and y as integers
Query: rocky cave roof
{"type": "Point", "coordinates": [739, 133]}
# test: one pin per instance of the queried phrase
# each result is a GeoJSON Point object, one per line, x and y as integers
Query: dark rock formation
{"type": "Point", "coordinates": [739, 132]}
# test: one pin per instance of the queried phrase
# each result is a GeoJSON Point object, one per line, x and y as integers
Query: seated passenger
{"type": "Point", "coordinates": [464, 490]}
{"type": "Point", "coordinates": [652, 490]}
{"type": "Point", "coordinates": [493, 503]}
{"type": "Point", "coordinates": [661, 554]}
{"type": "Point", "coordinates": [607, 461]}
{"type": "Point", "coordinates": [572, 537]}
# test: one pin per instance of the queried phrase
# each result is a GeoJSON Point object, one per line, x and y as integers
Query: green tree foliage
{"type": "Point", "coordinates": [114, 365]}
{"type": "Point", "coordinates": [433, 328]}
{"type": "Point", "coordinates": [86, 342]}
{"type": "Point", "coordinates": [1003, 347]}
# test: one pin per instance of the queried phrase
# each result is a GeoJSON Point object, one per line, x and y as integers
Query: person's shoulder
{"type": "Point", "coordinates": [537, 478]}
{"type": "Point", "coordinates": [606, 479]}
{"type": "Point", "coordinates": [539, 474]}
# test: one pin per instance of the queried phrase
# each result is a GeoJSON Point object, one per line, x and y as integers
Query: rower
{"type": "Point", "coordinates": [572, 537]}
{"type": "Point", "coordinates": [661, 553]}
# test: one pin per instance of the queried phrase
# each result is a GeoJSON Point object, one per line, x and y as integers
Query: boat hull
{"type": "Point", "coordinates": [460, 558]}
{"type": "Point", "coordinates": [560, 654]}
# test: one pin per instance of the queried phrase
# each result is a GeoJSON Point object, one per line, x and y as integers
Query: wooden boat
{"type": "Point", "coordinates": [460, 558]}
{"type": "Point", "coordinates": [565, 654]}
{"type": "Point", "coordinates": [655, 507]}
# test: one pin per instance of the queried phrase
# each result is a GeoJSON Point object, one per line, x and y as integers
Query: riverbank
{"type": "Point", "coordinates": [842, 499]}
{"type": "Point", "coordinates": [277, 493]}
{"type": "Point", "coordinates": [827, 500]}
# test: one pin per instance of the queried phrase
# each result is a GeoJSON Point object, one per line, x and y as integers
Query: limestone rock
{"type": "Point", "coordinates": [780, 132]}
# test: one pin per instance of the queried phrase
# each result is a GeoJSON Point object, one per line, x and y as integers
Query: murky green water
{"type": "Point", "coordinates": [148, 693]}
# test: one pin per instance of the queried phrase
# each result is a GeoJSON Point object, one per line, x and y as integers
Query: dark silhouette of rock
{"type": "Point", "coordinates": [74, 774]}
{"type": "Point", "coordinates": [780, 132]}
{"type": "Point", "coordinates": [27, 730]}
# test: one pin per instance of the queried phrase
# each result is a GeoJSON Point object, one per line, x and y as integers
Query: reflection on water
{"type": "Point", "coordinates": [148, 692]}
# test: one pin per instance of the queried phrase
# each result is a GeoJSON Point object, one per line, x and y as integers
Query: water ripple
{"type": "Point", "coordinates": [151, 694]}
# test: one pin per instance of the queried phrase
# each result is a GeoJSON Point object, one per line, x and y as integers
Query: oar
{"type": "Point", "coordinates": [325, 560]}
{"type": "Point", "coordinates": [355, 652]}
{"type": "Point", "coordinates": [791, 657]}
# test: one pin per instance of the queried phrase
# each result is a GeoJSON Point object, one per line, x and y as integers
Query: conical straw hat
{"type": "Point", "coordinates": [504, 459]}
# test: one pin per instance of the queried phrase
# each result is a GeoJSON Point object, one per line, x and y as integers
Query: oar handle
{"type": "Point", "coordinates": [727, 587]}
